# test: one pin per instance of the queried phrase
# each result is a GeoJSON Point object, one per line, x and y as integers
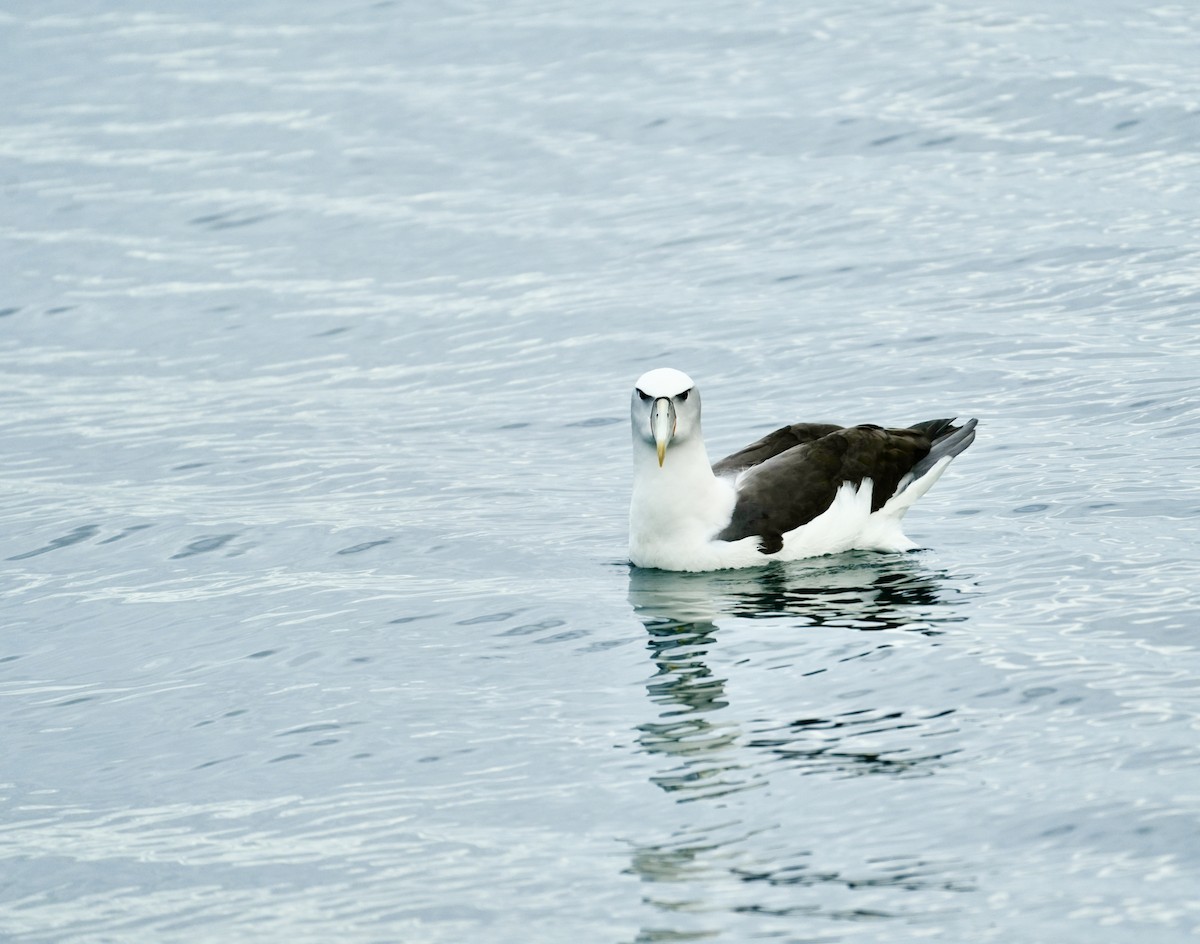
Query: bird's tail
{"type": "Point", "coordinates": [948, 441]}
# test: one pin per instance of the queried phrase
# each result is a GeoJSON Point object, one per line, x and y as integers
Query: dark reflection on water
{"type": "Point", "coordinates": [825, 744]}
{"type": "Point", "coordinates": [908, 873]}
{"type": "Point", "coordinates": [859, 591]}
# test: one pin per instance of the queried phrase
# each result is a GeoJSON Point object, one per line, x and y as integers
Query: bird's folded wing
{"type": "Point", "coordinates": [795, 485]}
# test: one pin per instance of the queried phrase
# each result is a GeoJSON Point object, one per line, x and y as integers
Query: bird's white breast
{"type": "Point", "coordinates": [676, 511]}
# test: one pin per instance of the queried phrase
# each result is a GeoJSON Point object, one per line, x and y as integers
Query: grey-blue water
{"type": "Point", "coordinates": [319, 326]}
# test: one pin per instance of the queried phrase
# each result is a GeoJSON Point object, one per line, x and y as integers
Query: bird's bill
{"type": "Point", "coordinates": [662, 426]}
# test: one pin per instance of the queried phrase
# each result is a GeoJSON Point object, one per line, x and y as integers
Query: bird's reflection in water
{"type": "Point", "coordinates": [687, 690]}
{"type": "Point", "coordinates": [710, 750]}
{"type": "Point", "coordinates": [856, 591]}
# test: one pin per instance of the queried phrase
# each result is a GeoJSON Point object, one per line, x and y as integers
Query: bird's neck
{"type": "Point", "coordinates": [681, 495]}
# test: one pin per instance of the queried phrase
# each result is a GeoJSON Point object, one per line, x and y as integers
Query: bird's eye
{"type": "Point", "coordinates": [683, 396]}
{"type": "Point", "coordinates": [641, 393]}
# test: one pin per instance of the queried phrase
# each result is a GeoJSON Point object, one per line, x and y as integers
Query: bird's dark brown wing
{"type": "Point", "coordinates": [795, 485]}
{"type": "Point", "coordinates": [781, 440]}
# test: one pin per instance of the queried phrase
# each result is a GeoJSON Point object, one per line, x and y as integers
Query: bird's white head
{"type": "Point", "coordinates": [664, 409]}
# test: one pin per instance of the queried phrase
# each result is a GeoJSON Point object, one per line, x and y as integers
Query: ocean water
{"type": "Point", "coordinates": [317, 329]}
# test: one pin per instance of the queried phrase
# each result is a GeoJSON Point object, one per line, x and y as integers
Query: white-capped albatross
{"type": "Point", "coordinates": [801, 491]}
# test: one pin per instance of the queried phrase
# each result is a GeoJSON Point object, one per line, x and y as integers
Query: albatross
{"type": "Point", "coordinates": [802, 491]}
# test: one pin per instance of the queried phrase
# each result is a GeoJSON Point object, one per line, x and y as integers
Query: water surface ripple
{"type": "Point", "coordinates": [317, 325]}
